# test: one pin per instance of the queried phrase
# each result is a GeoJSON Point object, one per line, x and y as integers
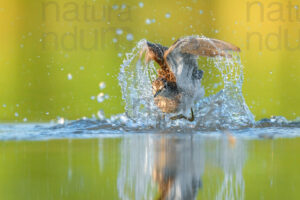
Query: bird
{"type": "Point", "coordinates": [178, 84]}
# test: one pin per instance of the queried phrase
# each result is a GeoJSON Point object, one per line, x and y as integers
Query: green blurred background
{"type": "Point", "coordinates": [54, 54]}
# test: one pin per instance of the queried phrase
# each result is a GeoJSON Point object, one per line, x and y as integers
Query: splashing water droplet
{"type": "Point", "coordinates": [148, 21]}
{"type": "Point", "coordinates": [123, 6]}
{"type": "Point", "coordinates": [115, 7]}
{"type": "Point", "coordinates": [100, 97]}
{"type": "Point", "coordinates": [119, 31]}
{"type": "Point", "coordinates": [16, 114]}
{"type": "Point", "coordinates": [129, 37]}
{"type": "Point", "coordinates": [124, 119]}
{"type": "Point", "coordinates": [70, 76]}
{"type": "Point", "coordinates": [141, 4]}
{"type": "Point", "coordinates": [101, 115]}
{"type": "Point", "coordinates": [102, 85]}
{"type": "Point", "coordinates": [168, 15]}
{"type": "Point", "coordinates": [60, 120]}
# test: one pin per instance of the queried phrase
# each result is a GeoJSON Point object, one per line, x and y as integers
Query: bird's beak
{"type": "Point", "coordinates": [157, 93]}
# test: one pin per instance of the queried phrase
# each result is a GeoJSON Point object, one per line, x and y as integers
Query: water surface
{"type": "Point", "coordinates": [78, 161]}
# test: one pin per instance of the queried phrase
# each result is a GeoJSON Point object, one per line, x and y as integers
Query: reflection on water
{"type": "Point", "coordinates": [172, 167]}
{"type": "Point", "coordinates": [261, 163]}
{"type": "Point", "coordinates": [230, 157]}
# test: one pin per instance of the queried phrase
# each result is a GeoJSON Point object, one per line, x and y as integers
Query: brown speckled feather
{"type": "Point", "coordinates": [167, 105]}
{"type": "Point", "coordinates": [156, 52]}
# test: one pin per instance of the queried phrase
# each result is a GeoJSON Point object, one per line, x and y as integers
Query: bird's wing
{"type": "Point", "coordinates": [154, 51]}
{"type": "Point", "coordinates": [202, 46]}
{"type": "Point", "coordinates": [181, 57]}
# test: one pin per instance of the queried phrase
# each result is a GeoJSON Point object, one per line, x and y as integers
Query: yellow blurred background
{"type": "Point", "coordinates": [54, 54]}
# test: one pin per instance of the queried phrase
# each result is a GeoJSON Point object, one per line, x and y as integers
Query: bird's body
{"type": "Point", "coordinates": [168, 100]}
{"type": "Point", "coordinates": [178, 84]}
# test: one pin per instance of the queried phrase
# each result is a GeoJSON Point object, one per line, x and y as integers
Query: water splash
{"type": "Point", "coordinates": [135, 79]}
{"type": "Point", "coordinates": [225, 108]}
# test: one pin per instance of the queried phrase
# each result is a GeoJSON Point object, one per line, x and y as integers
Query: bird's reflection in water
{"type": "Point", "coordinates": [177, 168]}
{"type": "Point", "coordinates": [230, 156]}
{"type": "Point", "coordinates": [172, 167]}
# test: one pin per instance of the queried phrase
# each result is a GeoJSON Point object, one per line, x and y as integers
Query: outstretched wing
{"type": "Point", "coordinates": [181, 57]}
{"type": "Point", "coordinates": [179, 62]}
{"type": "Point", "coordinates": [154, 51]}
{"type": "Point", "coordinates": [202, 46]}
